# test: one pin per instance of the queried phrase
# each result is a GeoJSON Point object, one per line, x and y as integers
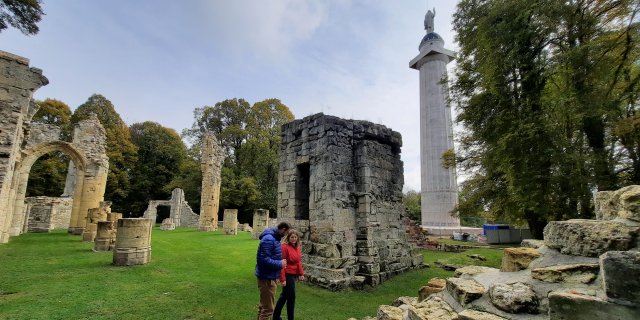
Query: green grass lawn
{"type": "Point", "coordinates": [192, 275]}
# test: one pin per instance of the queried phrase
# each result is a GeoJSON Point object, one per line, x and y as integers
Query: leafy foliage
{"type": "Point", "coordinates": [161, 153]}
{"type": "Point", "coordinates": [48, 173]}
{"type": "Point", "coordinates": [121, 151]}
{"type": "Point", "coordinates": [540, 87]}
{"type": "Point", "coordinates": [250, 136]}
{"type": "Point", "coordinates": [411, 200]}
{"type": "Point", "coordinates": [21, 14]}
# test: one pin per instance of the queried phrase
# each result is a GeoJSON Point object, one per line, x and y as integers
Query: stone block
{"type": "Point", "coordinates": [589, 238]}
{"type": "Point", "coordinates": [404, 300]}
{"type": "Point", "coordinates": [532, 243]}
{"type": "Point", "coordinates": [473, 270]}
{"type": "Point", "coordinates": [434, 285]}
{"type": "Point", "coordinates": [571, 273]}
{"type": "Point", "coordinates": [572, 306]}
{"type": "Point", "coordinates": [514, 298]}
{"type": "Point", "coordinates": [622, 203]}
{"type": "Point", "coordinates": [434, 308]}
{"type": "Point", "coordinates": [516, 259]}
{"type": "Point", "coordinates": [464, 290]}
{"type": "Point", "coordinates": [621, 276]}
{"type": "Point", "coordinates": [389, 313]}
{"type": "Point", "coordinates": [478, 315]}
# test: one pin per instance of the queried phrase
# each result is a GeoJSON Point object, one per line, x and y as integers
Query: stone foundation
{"type": "Point", "coordinates": [44, 214]}
{"type": "Point", "coordinates": [105, 236]}
{"type": "Point", "coordinates": [133, 242]}
{"type": "Point", "coordinates": [230, 222]}
{"type": "Point", "coordinates": [260, 222]}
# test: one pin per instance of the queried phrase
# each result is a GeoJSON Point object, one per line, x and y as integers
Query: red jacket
{"type": "Point", "coordinates": [294, 261]}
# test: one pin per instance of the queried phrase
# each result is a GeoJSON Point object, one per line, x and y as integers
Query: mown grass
{"type": "Point", "coordinates": [192, 275]}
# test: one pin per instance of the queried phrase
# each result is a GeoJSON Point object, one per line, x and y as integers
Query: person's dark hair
{"type": "Point", "coordinates": [284, 225]}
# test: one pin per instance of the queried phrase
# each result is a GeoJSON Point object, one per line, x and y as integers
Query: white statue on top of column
{"type": "Point", "coordinates": [428, 20]}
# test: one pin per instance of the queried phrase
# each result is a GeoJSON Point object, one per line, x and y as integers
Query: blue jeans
{"type": "Point", "coordinates": [287, 296]}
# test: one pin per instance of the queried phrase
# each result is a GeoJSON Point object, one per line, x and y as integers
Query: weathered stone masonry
{"type": "Point", "coordinates": [22, 143]}
{"type": "Point", "coordinates": [340, 182]}
{"type": "Point", "coordinates": [17, 83]}
{"type": "Point", "coordinates": [211, 164]}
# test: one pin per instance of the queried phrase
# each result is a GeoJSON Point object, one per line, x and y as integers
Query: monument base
{"type": "Point", "coordinates": [448, 231]}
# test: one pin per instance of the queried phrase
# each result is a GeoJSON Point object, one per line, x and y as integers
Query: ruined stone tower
{"type": "Point", "coordinates": [211, 164]}
{"type": "Point", "coordinates": [340, 183]}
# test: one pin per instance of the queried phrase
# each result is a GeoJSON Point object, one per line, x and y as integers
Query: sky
{"type": "Point", "coordinates": [157, 60]}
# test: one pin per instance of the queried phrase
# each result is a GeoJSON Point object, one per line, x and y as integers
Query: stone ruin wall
{"type": "Point", "coordinates": [211, 165]}
{"type": "Point", "coordinates": [260, 222]}
{"type": "Point", "coordinates": [17, 83]}
{"type": "Point", "coordinates": [230, 222]}
{"type": "Point", "coordinates": [340, 183]}
{"type": "Point", "coordinates": [44, 214]}
{"type": "Point", "coordinates": [180, 214]}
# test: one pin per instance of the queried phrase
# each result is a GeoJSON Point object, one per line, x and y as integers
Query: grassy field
{"type": "Point", "coordinates": [192, 275]}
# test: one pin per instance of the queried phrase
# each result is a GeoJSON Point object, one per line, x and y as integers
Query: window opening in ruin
{"type": "Point", "coordinates": [303, 176]}
{"type": "Point", "coordinates": [48, 175]}
{"type": "Point", "coordinates": [162, 212]}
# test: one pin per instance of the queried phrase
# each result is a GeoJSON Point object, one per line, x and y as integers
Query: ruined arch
{"type": "Point", "coordinates": [21, 178]}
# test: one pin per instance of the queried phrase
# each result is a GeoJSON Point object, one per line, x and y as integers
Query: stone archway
{"type": "Point", "coordinates": [21, 178]}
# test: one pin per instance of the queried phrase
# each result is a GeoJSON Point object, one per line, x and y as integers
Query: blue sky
{"type": "Point", "coordinates": [157, 60]}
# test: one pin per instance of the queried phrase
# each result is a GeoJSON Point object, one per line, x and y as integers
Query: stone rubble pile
{"type": "Point", "coordinates": [584, 269]}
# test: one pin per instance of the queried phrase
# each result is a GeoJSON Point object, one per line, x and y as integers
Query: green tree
{"type": "Point", "coordinates": [21, 14]}
{"type": "Point", "coordinates": [189, 178]}
{"type": "Point", "coordinates": [121, 151]}
{"type": "Point", "coordinates": [48, 173]}
{"type": "Point", "coordinates": [250, 136]}
{"type": "Point", "coordinates": [545, 89]}
{"type": "Point", "coordinates": [161, 153]}
{"type": "Point", "coordinates": [411, 200]}
{"type": "Point", "coordinates": [55, 112]}
{"type": "Point", "coordinates": [499, 86]}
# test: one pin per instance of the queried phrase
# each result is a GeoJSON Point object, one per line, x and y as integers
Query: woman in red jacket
{"type": "Point", "coordinates": [292, 252]}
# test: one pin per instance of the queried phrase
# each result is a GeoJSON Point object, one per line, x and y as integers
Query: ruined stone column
{"type": "Point", "coordinates": [90, 137]}
{"type": "Point", "coordinates": [177, 198]}
{"type": "Point", "coordinates": [211, 163]}
{"type": "Point", "coordinates": [17, 83]}
{"type": "Point", "coordinates": [94, 216]}
{"type": "Point", "coordinates": [105, 236]}
{"type": "Point", "coordinates": [260, 222]}
{"type": "Point", "coordinates": [133, 242]}
{"type": "Point", "coordinates": [230, 222]}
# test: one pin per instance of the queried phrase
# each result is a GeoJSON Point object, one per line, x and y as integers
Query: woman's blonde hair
{"type": "Point", "coordinates": [293, 231]}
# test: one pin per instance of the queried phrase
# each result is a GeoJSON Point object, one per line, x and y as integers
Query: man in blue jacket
{"type": "Point", "coordinates": [269, 262]}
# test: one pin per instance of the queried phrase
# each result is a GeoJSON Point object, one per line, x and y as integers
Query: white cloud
{"type": "Point", "coordinates": [269, 28]}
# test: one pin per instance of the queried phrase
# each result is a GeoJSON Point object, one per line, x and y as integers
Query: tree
{"type": "Point", "coordinates": [55, 112]}
{"type": "Point", "coordinates": [21, 14]}
{"type": "Point", "coordinates": [541, 87]}
{"type": "Point", "coordinates": [48, 173]}
{"type": "Point", "coordinates": [121, 151]}
{"type": "Point", "coordinates": [161, 153]}
{"type": "Point", "coordinates": [411, 201]}
{"type": "Point", "coordinates": [499, 86]}
{"type": "Point", "coordinates": [250, 136]}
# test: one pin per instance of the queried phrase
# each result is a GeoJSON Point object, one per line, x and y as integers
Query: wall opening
{"type": "Point", "coordinates": [303, 175]}
{"type": "Point", "coordinates": [48, 175]}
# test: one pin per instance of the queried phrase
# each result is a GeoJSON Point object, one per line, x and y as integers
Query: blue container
{"type": "Point", "coordinates": [486, 227]}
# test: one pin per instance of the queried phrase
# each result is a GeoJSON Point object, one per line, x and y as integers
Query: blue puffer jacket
{"type": "Point", "coordinates": [269, 256]}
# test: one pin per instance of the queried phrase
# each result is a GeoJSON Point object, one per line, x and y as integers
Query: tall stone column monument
{"type": "Point", "coordinates": [211, 164]}
{"type": "Point", "coordinates": [439, 186]}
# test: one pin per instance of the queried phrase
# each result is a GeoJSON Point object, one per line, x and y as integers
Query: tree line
{"type": "Point", "coordinates": [548, 93]}
{"type": "Point", "coordinates": [147, 160]}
